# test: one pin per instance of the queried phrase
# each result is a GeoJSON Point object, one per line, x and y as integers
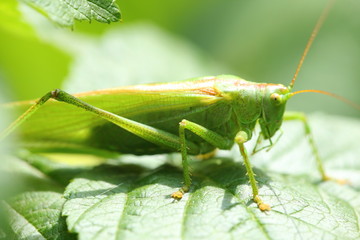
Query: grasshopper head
{"type": "Point", "coordinates": [274, 100]}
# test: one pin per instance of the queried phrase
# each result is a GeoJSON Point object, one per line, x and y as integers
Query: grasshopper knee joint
{"type": "Point", "coordinates": [241, 137]}
{"type": "Point", "coordinates": [183, 122]}
{"type": "Point", "coordinates": [55, 93]}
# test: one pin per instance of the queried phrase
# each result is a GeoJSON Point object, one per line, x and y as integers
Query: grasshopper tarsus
{"type": "Point", "coordinates": [261, 205]}
{"type": "Point", "coordinates": [206, 156]}
{"type": "Point", "coordinates": [180, 193]}
{"type": "Point", "coordinates": [177, 195]}
{"type": "Point", "coordinates": [264, 207]}
{"type": "Point", "coordinates": [337, 180]}
{"type": "Point", "coordinates": [342, 181]}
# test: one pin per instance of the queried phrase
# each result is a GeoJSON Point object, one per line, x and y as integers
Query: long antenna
{"type": "Point", "coordinates": [354, 105]}
{"type": "Point", "coordinates": [315, 31]}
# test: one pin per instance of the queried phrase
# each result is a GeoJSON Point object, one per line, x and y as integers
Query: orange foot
{"type": "Point", "coordinates": [261, 205]}
{"type": "Point", "coordinates": [206, 155]}
{"type": "Point", "coordinates": [339, 181]}
{"type": "Point", "coordinates": [177, 195]}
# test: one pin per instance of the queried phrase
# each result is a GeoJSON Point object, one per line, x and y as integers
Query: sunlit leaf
{"type": "Point", "coordinates": [64, 12]}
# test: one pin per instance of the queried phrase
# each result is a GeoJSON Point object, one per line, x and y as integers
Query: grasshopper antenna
{"type": "Point", "coordinates": [345, 100]}
{"type": "Point", "coordinates": [315, 31]}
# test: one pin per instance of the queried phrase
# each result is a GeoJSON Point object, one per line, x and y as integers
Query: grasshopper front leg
{"type": "Point", "coordinates": [240, 138]}
{"type": "Point", "coordinates": [301, 117]}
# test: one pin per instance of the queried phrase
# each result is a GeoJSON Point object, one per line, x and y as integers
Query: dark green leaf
{"type": "Point", "coordinates": [37, 215]}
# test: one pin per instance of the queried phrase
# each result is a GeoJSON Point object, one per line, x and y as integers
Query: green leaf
{"type": "Point", "coordinates": [115, 202]}
{"type": "Point", "coordinates": [64, 12]}
{"type": "Point", "coordinates": [37, 215]}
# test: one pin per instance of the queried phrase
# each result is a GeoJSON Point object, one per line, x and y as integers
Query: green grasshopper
{"type": "Point", "coordinates": [194, 117]}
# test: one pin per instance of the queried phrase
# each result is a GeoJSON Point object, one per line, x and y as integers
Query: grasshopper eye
{"type": "Point", "coordinates": [275, 98]}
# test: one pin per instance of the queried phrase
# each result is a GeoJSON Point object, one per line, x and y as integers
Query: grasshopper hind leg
{"type": "Point", "coordinates": [14, 125]}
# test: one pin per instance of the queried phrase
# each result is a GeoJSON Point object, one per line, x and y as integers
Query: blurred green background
{"type": "Point", "coordinates": [258, 40]}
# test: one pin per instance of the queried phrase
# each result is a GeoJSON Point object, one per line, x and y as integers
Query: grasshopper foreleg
{"type": "Point", "coordinates": [301, 117]}
{"type": "Point", "coordinates": [240, 138]}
